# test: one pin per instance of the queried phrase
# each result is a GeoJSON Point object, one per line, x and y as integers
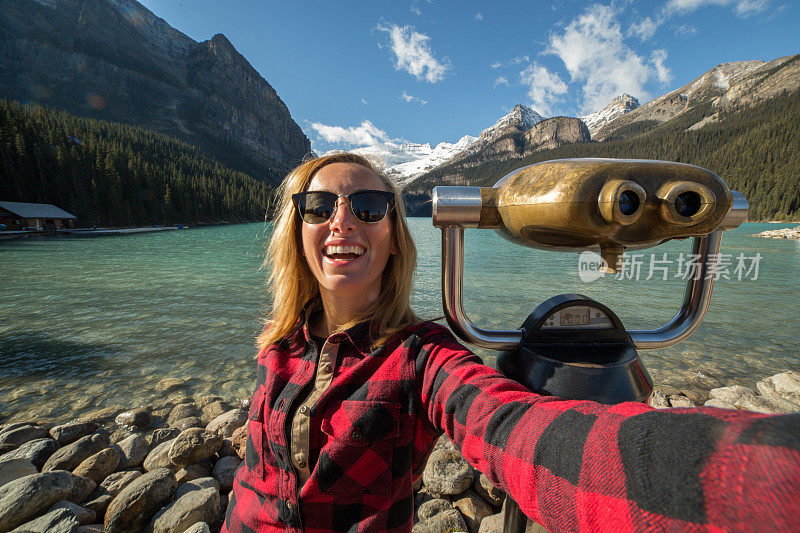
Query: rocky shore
{"type": "Point", "coordinates": [169, 468]}
{"type": "Point", "coordinates": [785, 233]}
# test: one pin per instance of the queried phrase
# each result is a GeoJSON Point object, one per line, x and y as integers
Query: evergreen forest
{"type": "Point", "coordinates": [111, 174]}
{"type": "Point", "coordinates": [756, 150]}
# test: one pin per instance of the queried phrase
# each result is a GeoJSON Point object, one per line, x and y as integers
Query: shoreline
{"type": "Point", "coordinates": [784, 233]}
{"type": "Point", "coordinates": [193, 444]}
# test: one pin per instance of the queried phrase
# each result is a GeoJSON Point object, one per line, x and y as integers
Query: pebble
{"type": "Point", "coordinates": [101, 415]}
{"type": "Point", "coordinates": [112, 485]}
{"type": "Point", "coordinates": [191, 472]}
{"type": "Point", "coordinates": [785, 385]}
{"type": "Point", "coordinates": [214, 409]}
{"type": "Point", "coordinates": [473, 508]}
{"type": "Point", "coordinates": [26, 497]}
{"type": "Point", "coordinates": [170, 384]}
{"type": "Point", "coordinates": [133, 507]}
{"type": "Point", "coordinates": [433, 507]}
{"type": "Point", "coordinates": [181, 411]}
{"type": "Point", "coordinates": [188, 422]}
{"type": "Point", "coordinates": [68, 433]}
{"type": "Point", "coordinates": [192, 446]}
{"type": "Point", "coordinates": [134, 449]}
{"type": "Point", "coordinates": [82, 514]}
{"type": "Point", "coordinates": [159, 457]}
{"type": "Point", "coordinates": [37, 451]}
{"type": "Point", "coordinates": [14, 469]}
{"type": "Point", "coordinates": [57, 521]}
{"type": "Point", "coordinates": [135, 418]}
{"type": "Point", "coordinates": [71, 455]}
{"type": "Point", "coordinates": [239, 441]}
{"type": "Point", "coordinates": [202, 401]}
{"type": "Point", "coordinates": [98, 466]}
{"type": "Point", "coordinates": [163, 435]}
{"type": "Point", "coordinates": [447, 472]}
{"type": "Point", "coordinates": [197, 484]}
{"type": "Point", "coordinates": [199, 527]}
{"type": "Point", "coordinates": [444, 522]}
{"type": "Point", "coordinates": [224, 470]}
{"type": "Point", "coordinates": [225, 424]}
{"type": "Point", "coordinates": [195, 506]}
{"type": "Point", "coordinates": [488, 491]}
{"type": "Point", "coordinates": [18, 435]}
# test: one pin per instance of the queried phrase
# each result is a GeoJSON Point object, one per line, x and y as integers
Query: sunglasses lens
{"type": "Point", "coordinates": [316, 207]}
{"type": "Point", "coordinates": [369, 206]}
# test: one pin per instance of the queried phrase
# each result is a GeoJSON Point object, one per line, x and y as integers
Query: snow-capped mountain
{"type": "Point", "coordinates": [617, 107]}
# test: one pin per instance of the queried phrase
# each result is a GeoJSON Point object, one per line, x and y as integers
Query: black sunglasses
{"type": "Point", "coordinates": [316, 207]}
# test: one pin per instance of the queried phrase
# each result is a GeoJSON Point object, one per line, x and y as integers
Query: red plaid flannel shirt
{"type": "Point", "coordinates": [571, 465]}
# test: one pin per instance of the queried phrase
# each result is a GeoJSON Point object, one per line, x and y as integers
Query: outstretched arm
{"type": "Point", "coordinates": [579, 465]}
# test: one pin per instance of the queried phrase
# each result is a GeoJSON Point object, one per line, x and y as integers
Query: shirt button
{"type": "Point", "coordinates": [289, 505]}
{"type": "Point", "coordinates": [301, 463]}
{"type": "Point", "coordinates": [304, 409]}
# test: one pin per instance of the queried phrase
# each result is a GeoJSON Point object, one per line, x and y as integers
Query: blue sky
{"type": "Point", "coordinates": [356, 73]}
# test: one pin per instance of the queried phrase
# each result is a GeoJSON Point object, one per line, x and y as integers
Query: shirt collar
{"type": "Point", "coordinates": [361, 336]}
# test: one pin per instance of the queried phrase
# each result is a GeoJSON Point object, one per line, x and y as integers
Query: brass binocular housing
{"type": "Point", "coordinates": [584, 204]}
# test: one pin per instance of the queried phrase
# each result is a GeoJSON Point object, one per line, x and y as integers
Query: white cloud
{"type": "Point", "coordinates": [478, 16]}
{"type": "Point", "coordinates": [658, 59]}
{"type": "Point", "coordinates": [364, 101]}
{"type": "Point", "coordinates": [364, 134]}
{"type": "Point", "coordinates": [501, 81]}
{"type": "Point", "coordinates": [685, 29]}
{"type": "Point", "coordinates": [544, 87]}
{"type": "Point", "coordinates": [742, 8]}
{"type": "Point", "coordinates": [496, 65]}
{"type": "Point", "coordinates": [644, 29]}
{"type": "Point", "coordinates": [413, 53]}
{"type": "Point", "coordinates": [409, 98]}
{"type": "Point", "coordinates": [415, 9]}
{"type": "Point", "coordinates": [594, 53]}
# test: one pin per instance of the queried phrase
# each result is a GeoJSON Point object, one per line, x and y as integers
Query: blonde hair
{"type": "Point", "coordinates": [292, 283]}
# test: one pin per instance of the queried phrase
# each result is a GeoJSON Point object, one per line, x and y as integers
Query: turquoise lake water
{"type": "Point", "coordinates": [94, 322]}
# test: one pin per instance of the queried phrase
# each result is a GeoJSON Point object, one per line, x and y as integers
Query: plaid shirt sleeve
{"type": "Point", "coordinates": [580, 465]}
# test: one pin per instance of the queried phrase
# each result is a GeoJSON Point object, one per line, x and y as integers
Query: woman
{"type": "Point", "coordinates": [353, 391]}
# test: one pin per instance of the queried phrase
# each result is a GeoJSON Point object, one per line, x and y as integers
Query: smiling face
{"type": "Point", "coordinates": [346, 256]}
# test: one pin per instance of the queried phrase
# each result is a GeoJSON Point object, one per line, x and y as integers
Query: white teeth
{"type": "Point", "coordinates": [350, 249]}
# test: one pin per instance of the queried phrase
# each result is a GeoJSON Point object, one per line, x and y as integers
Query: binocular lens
{"type": "Point", "coordinates": [628, 202]}
{"type": "Point", "coordinates": [688, 203]}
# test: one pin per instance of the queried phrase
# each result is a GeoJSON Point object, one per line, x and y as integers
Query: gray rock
{"type": "Point", "coordinates": [679, 400]}
{"type": "Point", "coordinates": [239, 441]}
{"type": "Point", "coordinates": [58, 521]}
{"type": "Point", "coordinates": [730, 395]}
{"type": "Point", "coordinates": [767, 404]}
{"type": "Point", "coordinates": [225, 424]}
{"type": "Point", "coordinates": [28, 496]}
{"type": "Point", "coordinates": [135, 418]}
{"type": "Point", "coordinates": [433, 507]}
{"type": "Point", "coordinates": [192, 507]}
{"type": "Point", "coordinates": [134, 449]}
{"type": "Point", "coordinates": [199, 527]}
{"type": "Point", "coordinates": [215, 409]}
{"type": "Point", "coordinates": [101, 415]}
{"type": "Point", "coordinates": [16, 435]}
{"type": "Point", "coordinates": [37, 451]}
{"type": "Point", "coordinates": [713, 402]}
{"type": "Point", "coordinates": [785, 385]}
{"type": "Point", "coordinates": [192, 446]}
{"type": "Point", "coordinates": [474, 509]}
{"type": "Point", "coordinates": [196, 484]}
{"type": "Point", "coordinates": [91, 528]}
{"type": "Point", "coordinates": [181, 411]}
{"type": "Point", "coordinates": [159, 457]}
{"type": "Point", "coordinates": [99, 499]}
{"type": "Point", "coordinates": [488, 491]}
{"type": "Point", "coordinates": [224, 470]}
{"type": "Point", "coordinates": [782, 405]}
{"type": "Point", "coordinates": [163, 435]}
{"type": "Point", "coordinates": [15, 469]}
{"type": "Point", "coordinates": [492, 524]}
{"type": "Point", "coordinates": [71, 455]}
{"type": "Point", "coordinates": [658, 400]}
{"type": "Point", "coordinates": [99, 504]}
{"type": "Point", "coordinates": [99, 465]}
{"type": "Point", "coordinates": [68, 433]}
{"type": "Point", "coordinates": [82, 514]}
{"type": "Point", "coordinates": [133, 507]}
{"type": "Point", "coordinates": [188, 422]}
{"type": "Point", "coordinates": [202, 401]}
{"type": "Point", "coordinates": [170, 384]}
{"type": "Point", "coordinates": [444, 522]}
{"type": "Point", "coordinates": [447, 472]}
{"type": "Point", "coordinates": [191, 472]}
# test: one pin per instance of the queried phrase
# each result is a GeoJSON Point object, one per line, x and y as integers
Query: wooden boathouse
{"type": "Point", "coordinates": [20, 215]}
